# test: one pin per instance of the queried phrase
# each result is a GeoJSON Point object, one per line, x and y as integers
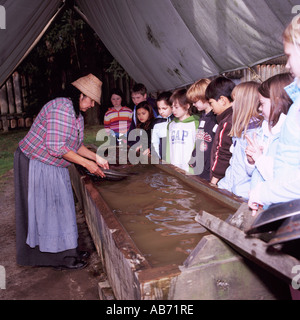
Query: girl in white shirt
{"type": "Point", "coordinates": [159, 132]}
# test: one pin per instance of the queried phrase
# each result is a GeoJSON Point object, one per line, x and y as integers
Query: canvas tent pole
{"type": "Point", "coordinates": [83, 16]}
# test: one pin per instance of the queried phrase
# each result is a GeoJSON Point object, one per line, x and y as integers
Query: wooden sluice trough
{"type": "Point", "coordinates": [143, 263]}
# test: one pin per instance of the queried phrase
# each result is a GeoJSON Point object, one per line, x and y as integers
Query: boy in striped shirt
{"type": "Point", "coordinates": [117, 119]}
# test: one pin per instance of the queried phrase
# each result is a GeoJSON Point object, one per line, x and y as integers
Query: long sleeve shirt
{"type": "Point", "coordinates": [285, 185]}
{"type": "Point", "coordinates": [118, 120]}
{"type": "Point", "coordinates": [55, 132]}
{"type": "Point", "coordinates": [220, 153]}
{"type": "Point", "coordinates": [159, 135]}
{"type": "Point", "coordinates": [201, 156]}
{"type": "Point", "coordinates": [238, 175]}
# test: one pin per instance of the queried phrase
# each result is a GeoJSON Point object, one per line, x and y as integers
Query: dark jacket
{"type": "Point", "coordinates": [204, 142]}
{"type": "Point", "coordinates": [220, 153]}
{"type": "Point", "coordinates": [145, 134]}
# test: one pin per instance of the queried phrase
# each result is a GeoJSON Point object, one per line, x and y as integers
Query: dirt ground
{"type": "Point", "coordinates": [32, 283]}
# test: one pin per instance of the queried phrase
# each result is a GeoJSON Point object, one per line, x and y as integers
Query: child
{"type": "Point", "coordinates": [117, 119]}
{"type": "Point", "coordinates": [275, 104]}
{"type": "Point", "coordinates": [138, 95]}
{"type": "Point", "coordinates": [218, 93]}
{"type": "Point", "coordinates": [245, 120]}
{"type": "Point", "coordinates": [159, 132]}
{"type": "Point", "coordinates": [207, 127]}
{"type": "Point", "coordinates": [181, 134]}
{"type": "Point", "coordinates": [145, 119]}
{"type": "Point", "coordinates": [274, 152]}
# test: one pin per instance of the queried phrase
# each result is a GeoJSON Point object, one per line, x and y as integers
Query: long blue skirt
{"type": "Point", "coordinates": [51, 210]}
{"type": "Point", "coordinates": [27, 256]}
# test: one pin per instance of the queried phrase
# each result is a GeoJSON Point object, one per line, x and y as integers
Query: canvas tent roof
{"type": "Point", "coordinates": [162, 43]}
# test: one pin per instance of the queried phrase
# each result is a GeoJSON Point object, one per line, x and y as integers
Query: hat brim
{"type": "Point", "coordinates": [90, 86]}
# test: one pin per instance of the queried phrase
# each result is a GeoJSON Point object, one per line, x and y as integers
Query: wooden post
{"type": "Point", "coordinates": [13, 123]}
{"type": "Point", "coordinates": [5, 123]}
{"type": "Point", "coordinates": [21, 123]}
{"type": "Point", "coordinates": [28, 122]}
{"type": "Point", "coordinates": [18, 92]}
{"type": "Point", "coordinates": [3, 100]}
{"type": "Point", "coordinates": [10, 95]}
{"type": "Point", "coordinates": [24, 91]}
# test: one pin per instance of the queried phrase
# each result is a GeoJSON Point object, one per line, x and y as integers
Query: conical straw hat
{"type": "Point", "coordinates": [90, 86]}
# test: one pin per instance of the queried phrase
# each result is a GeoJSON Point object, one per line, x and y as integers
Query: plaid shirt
{"type": "Point", "coordinates": [55, 131]}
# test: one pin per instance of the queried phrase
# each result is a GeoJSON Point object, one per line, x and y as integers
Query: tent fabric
{"type": "Point", "coordinates": [171, 43]}
{"type": "Point", "coordinates": [25, 21]}
{"type": "Point", "coordinates": [164, 44]}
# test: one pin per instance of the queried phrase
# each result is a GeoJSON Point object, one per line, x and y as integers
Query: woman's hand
{"type": "Point", "coordinates": [93, 168]}
{"type": "Point", "coordinates": [103, 163]}
{"type": "Point", "coordinates": [87, 159]}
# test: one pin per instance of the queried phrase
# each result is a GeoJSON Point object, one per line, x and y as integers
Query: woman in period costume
{"type": "Point", "coordinates": [46, 228]}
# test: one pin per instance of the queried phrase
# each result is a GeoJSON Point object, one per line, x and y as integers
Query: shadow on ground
{"type": "Point", "coordinates": [31, 283]}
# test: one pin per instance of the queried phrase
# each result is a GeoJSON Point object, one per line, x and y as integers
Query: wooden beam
{"type": "Point", "coordinates": [252, 248]}
{"type": "Point", "coordinates": [10, 96]}
{"type": "Point", "coordinates": [3, 101]}
{"type": "Point", "coordinates": [18, 92]}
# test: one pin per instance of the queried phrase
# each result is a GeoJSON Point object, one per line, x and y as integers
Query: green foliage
{"type": "Point", "coordinates": [9, 143]}
{"type": "Point", "coordinates": [69, 49]}
{"type": "Point", "coordinates": [63, 34]}
{"type": "Point", "coordinates": [117, 70]}
{"type": "Point", "coordinates": [90, 134]}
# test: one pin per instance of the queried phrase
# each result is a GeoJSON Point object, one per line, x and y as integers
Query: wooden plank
{"type": "Point", "coordinates": [215, 271]}
{"type": "Point", "coordinates": [13, 123]}
{"type": "Point", "coordinates": [5, 123]}
{"type": "Point", "coordinates": [28, 122]}
{"type": "Point", "coordinates": [253, 248]}
{"type": "Point", "coordinates": [21, 123]}
{"type": "Point", "coordinates": [243, 218]}
{"type": "Point", "coordinates": [18, 92]}
{"type": "Point", "coordinates": [10, 96]}
{"type": "Point", "coordinates": [3, 100]}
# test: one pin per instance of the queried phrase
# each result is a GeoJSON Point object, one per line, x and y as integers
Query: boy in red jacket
{"type": "Point", "coordinates": [218, 93]}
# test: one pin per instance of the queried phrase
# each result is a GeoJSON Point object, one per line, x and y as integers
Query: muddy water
{"type": "Point", "coordinates": [158, 211]}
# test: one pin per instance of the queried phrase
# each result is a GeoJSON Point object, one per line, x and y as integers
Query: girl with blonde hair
{"type": "Point", "coordinates": [245, 121]}
{"type": "Point", "coordinates": [245, 108]}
